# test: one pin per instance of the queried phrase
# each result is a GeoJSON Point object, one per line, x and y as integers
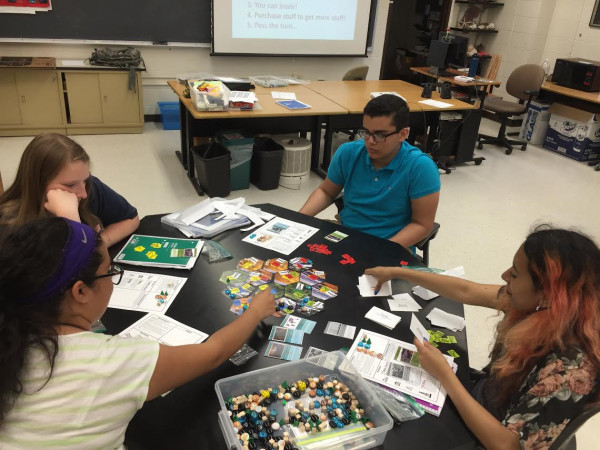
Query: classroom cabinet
{"type": "Point", "coordinates": [30, 102]}
{"type": "Point", "coordinates": [69, 102]}
{"type": "Point", "coordinates": [102, 101]}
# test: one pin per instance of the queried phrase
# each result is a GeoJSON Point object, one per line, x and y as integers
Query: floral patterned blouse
{"type": "Point", "coordinates": [551, 395]}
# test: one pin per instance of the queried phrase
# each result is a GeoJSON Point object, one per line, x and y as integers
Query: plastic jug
{"type": "Point", "coordinates": [473, 64]}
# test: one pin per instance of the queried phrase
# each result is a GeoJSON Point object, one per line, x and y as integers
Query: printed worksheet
{"type": "Point", "coordinates": [395, 364]}
{"type": "Point", "coordinates": [164, 330]}
{"type": "Point", "coordinates": [149, 292]}
{"type": "Point", "coordinates": [281, 235]}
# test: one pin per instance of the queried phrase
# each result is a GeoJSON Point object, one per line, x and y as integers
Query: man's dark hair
{"type": "Point", "coordinates": [392, 106]}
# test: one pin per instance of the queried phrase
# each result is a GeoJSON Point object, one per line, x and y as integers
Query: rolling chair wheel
{"type": "Point", "coordinates": [478, 162]}
{"type": "Point", "coordinates": [508, 151]}
{"type": "Point", "coordinates": [480, 146]}
{"type": "Point", "coordinates": [523, 147]}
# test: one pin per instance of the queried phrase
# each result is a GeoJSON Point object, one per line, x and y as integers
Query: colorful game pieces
{"type": "Point", "coordinates": [300, 263]}
{"type": "Point", "coordinates": [276, 265]}
{"type": "Point", "coordinates": [297, 291]}
{"type": "Point", "coordinates": [233, 292]}
{"type": "Point", "coordinates": [309, 306]}
{"type": "Point", "coordinates": [347, 259]}
{"type": "Point", "coordinates": [312, 277]}
{"type": "Point", "coordinates": [325, 291]}
{"type": "Point", "coordinates": [238, 306]}
{"type": "Point", "coordinates": [260, 277]}
{"type": "Point", "coordinates": [319, 248]}
{"type": "Point", "coordinates": [250, 264]}
{"type": "Point", "coordinates": [234, 277]}
{"type": "Point", "coordinates": [286, 305]}
{"type": "Point", "coordinates": [286, 277]}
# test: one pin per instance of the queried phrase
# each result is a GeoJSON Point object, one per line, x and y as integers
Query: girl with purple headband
{"type": "Point", "coordinates": [62, 386]}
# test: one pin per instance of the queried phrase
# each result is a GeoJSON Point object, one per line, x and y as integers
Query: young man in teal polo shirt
{"type": "Point", "coordinates": [391, 188]}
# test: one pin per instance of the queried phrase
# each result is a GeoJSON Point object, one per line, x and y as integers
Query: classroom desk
{"type": "Point", "coordinates": [187, 417]}
{"type": "Point", "coordinates": [588, 101]}
{"type": "Point", "coordinates": [479, 84]}
{"type": "Point", "coordinates": [354, 95]}
{"type": "Point", "coordinates": [271, 118]}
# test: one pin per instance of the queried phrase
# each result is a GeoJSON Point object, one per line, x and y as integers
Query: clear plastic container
{"type": "Point", "coordinates": [329, 364]}
{"type": "Point", "coordinates": [209, 95]}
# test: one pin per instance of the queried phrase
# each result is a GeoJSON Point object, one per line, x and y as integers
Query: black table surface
{"type": "Point", "coordinates": [187, 417]}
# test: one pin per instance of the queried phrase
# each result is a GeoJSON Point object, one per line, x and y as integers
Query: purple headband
{"type": "Point", "coordinates": [77, 252]}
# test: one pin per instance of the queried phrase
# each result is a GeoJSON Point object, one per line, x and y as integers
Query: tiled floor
{"type": "Point", "coordinates": [485, 211]}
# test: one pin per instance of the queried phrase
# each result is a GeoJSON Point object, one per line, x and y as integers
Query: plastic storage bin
{"type": "Point", "coordinates": [209, 95]}
{"type": "Point", "coordinates": [211, 162]}
{"type": "Point", "coordinates": [331, 365]}
{"type": "Point", "coordinates": [169, 115]}
{"type": "Point", "coordinates": [266, 163]}
{"type": "Point", "coordinates": [239, 173]}
{"type": "Point", "coordinates": [270, 81]}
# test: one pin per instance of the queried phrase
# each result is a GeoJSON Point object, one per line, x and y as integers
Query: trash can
{"type": "Point", "coordinates": [211, 162]}
{"type": "Point", "coordinates": [241, 155]}
{"type": "Point", "coordinates": [266, 163]}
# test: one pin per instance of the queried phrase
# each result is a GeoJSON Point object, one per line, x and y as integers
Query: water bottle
{"type": "Point", "coordinates": [473, 65]}
{"type": "Point", "coordinates": [546, 67]}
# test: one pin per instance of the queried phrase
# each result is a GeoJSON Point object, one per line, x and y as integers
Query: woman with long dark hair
{"type": "Point", "coordinates": [61, 385]}
{"type": "Point", "coordinates": [544, 364]}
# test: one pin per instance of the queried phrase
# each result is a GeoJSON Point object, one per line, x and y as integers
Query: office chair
{"type": "Point", "coordinates": [356, 73]}
{"type": "Point", "coordinates": [523, 83]}
{"type": "Point", "coordinates": [422, 245]}
{"type": "Point", "coordinates": [566, 439]}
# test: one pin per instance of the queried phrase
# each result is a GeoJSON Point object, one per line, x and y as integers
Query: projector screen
{"type": "Point", "coordinates": [290, 27]}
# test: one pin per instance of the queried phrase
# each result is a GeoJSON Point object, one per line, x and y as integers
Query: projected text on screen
{"type": "Point", "coordinates": [301, 19]}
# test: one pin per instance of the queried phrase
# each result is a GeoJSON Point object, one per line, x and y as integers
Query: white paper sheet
{"type": "Point", "coordinates": [403, 302]}
{"type": "Point", "coordinates": [283, 95]}
{"type": "Point", "coordinates": [435, 103]}
{"type": "Point", "coordinates": [366, 286]}
{"type": "Point", "coordinates": [281, 235]}
{"type": "Point", "coordinates": [383, 317]}
{"type": "Point", "coordinates": [441, 318]}
{"type": "Point", "coordinates": [138, 291]}
{"type": "Point", "coordinates": [164, 330]}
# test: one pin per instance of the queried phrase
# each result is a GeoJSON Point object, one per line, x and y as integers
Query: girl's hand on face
{"type": "Point", "coordinates": [432, 360]}
{"type": "Point", "coordinates": [62, 204]}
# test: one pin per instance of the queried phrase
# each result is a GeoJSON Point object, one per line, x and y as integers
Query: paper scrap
{"type": "Point", "coordinates": [366, 286]}
{"type": "Point", "coordinates": [441, 318]}
{"type": "Point", "coordinates": [403, 302]}
{"type": "Point", "coordinates": [436, 103]}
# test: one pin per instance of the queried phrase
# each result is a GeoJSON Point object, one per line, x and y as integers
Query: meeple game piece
{"type": "Point", "coordinates": [286, 305]}
{"type": "Point", "coordinates": [325, 291]}
{"type": "Point", "coordinates": [286, 277]}
{"type": "Point", "coordinates": [250, 264]}
{"type": "Point", "coordinates": [276, 265]}
{"type": "Point", "coordinates": [309, 306]}
{"type": "Point", "coordinates": [312, 277]}
{"type": "Point", "coordinates": [300, 263]}
{"type": "Point", "coordinates": [319, 248]}
{"type": "Point", "coordinates": [260, 277]}
{"type": "Point", "coordinates": [233, 277]}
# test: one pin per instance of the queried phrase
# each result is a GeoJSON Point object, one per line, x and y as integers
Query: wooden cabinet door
{"type": "Point", "coordinates": [39, 97]}
{"type": "Point", "coordinates": [83, 98]}
{"type": "Point", "coordinates": [119, 104]}
{"type": "Point", "coordinates": [10, 112]}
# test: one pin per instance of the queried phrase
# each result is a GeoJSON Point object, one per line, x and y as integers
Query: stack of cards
{"type": "Point", "coordinates": [366, 286]}
{"type": "Point", "coordinates": [341, 330]}
{"type": "Point", "coordinates": [403, 302]}
{"type": "Point", "coordinates": [383, 317]}
{"type": "Point", "coordinates": [441, 318]}
{"type": "Point", "coordinates": [336, 236]}
{"type": "Point", "coordinates": [280, 349]}
{"type": "Point", "coordinates": [418, 329]}
{"type": "Point", "coordinates": [297, 323]}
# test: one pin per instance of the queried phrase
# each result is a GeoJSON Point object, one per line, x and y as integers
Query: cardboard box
{"type": "Point", "coordinates": [535, 123]}
{"type": "Point", "coordinates": [573, 132]}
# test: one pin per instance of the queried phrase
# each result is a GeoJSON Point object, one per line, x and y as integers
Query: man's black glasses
{"type": "Point", "coordinates": [115, 272]}
{"type": "Point", "coordinates": [377, 137]}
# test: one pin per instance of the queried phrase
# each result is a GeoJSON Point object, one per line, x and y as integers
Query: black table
{"type": "Point", "coordinates": [187, 417]}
